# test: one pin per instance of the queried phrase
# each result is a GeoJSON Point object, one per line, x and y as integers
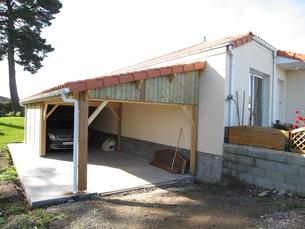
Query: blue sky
{"type": "Point", "coordinates": [100, 36]}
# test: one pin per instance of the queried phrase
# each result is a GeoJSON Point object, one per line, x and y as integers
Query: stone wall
{"type": "Point", "coordinates": [266, 168]}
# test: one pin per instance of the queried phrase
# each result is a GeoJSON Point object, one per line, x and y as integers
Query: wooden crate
{"type": "Point", "coordinates": [262, 137]}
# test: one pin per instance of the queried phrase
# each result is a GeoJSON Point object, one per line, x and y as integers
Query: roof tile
{"type": "Point", "coordinates": [293, 55]}
{"type": "Point", "coordinates": [166, 71]}
{"type": "Point", "coordinates": [106, 81]}
{"type": "Point", "coordinates": [140, 75]}
{"type": "Point", "coordinates": [124, 78]}
{"type": "Point", "coordinates": [153, 73]}
{"type": "Point", "coordinates": [188, 67]}
{"type": "Point", "coordinates": [177, 69]}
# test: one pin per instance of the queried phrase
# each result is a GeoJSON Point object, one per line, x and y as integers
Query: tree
{"type": "Point", "coordinates": [21, 23]}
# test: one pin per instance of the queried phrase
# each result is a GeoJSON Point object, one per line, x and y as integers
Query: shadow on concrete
{"type": "Point", "coordinates": [130, 164]}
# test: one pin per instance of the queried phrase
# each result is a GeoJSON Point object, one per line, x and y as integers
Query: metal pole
{"type": "Point", "coordinates": [75, 137]}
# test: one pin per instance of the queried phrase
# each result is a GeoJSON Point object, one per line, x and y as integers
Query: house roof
{"type": "Point", "coordinates": [235, 41]}
{"type": "Point", "coordinates": [136, 72]}
{"type": "Point", "coordinates": [106, 81]}
{"type": "Point", "coordinates": [293, 55]}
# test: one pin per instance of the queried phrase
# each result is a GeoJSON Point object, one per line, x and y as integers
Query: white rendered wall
{"type": "Point", "coordinates": [248, 56]}
{"type": "Point", "coordinates": [154, 123]}
{"type": "Point", "coordinates": [295, 93]}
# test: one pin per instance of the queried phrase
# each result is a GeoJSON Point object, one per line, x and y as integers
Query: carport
{"type": "Point", "coordinates": [171, 86]}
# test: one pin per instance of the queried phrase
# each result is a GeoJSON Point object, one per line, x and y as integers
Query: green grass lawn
{"type": "Point", "coordinates": [15, 213]}
{"type": "Point", "coordinates": [11, 130]}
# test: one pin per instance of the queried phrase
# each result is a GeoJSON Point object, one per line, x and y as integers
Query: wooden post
{"type": "Point", "coordinates": [82, 140]}
{"type": "Point", "coordinates": [43, 146]}
{"type": "Point", "coordinates": [194, 136]}
{"type": "Point", "coordinates": [119, 131]}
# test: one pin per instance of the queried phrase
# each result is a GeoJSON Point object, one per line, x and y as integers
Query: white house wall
{"type": "Point", "coordinates": [248, 56]}
{"type": "Point", "coordinates": [295, 93]}
{"type": "Point", "coordinates": [212, 106]}
{"type": "Point", "coordinates": [161, 123]}
{"type": "Point", "coordinates": [33, 126]}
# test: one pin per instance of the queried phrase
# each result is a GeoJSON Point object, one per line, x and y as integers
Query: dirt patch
{"type": "Point", "coordinates": [8, 192]}
{"type": "Point", "coordinates": [192, 206]}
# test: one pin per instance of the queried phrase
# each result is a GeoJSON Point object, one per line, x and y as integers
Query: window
{"type": "Point", "coordinates": [255, 105]}
{"type": "Point", "coordinates": [259, 98]}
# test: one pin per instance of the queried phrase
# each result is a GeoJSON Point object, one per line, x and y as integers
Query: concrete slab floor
{"type": "Point", "coordinates": [50, 178]}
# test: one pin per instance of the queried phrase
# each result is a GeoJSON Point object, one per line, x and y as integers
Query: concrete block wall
{"type": "Point", "coordinates": [265, 168]}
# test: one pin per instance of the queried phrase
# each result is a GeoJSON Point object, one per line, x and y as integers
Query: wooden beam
{"type": "Point", "coordinates": [119, 130]}
{"type": "Point", "coordinates": [139, 84]}
{"type": "Point", "coordinates": [173, 77]}
{"type": "Point", "coordinates": [140, 102]}
{"type": "Point", "coordinates": [43, 131]}
{"type": "Point", "coordinates": [45, 111]}
{"type": "Point", "coordinates": [189, 116]}
{"type": "Point", "coordinates": [114, 112]}
{"type": "Point", "coordinates": [51, 111]}
{"type": "Point", "coordinates": [82, 140]}
{"type": "Point", "coordinates": [61, 103]}
{"type": "Point", "coordinates": [97, 111]}
{"type": "Point", "coordinates": [194, 137]}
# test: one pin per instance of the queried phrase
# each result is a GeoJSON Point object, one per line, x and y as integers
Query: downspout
{"type": "Point", "coordinates": [274, 92]}
{"type": "Point", "coordinates": [231, 83]}
{"type": "Point", "coordinates": [75, 136]}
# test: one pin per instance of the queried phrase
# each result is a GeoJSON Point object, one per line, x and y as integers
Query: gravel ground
{"type": "Point", "coordinates": [233, 205]}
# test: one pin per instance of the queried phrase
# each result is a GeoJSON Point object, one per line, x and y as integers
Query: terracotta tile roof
{"type": "Point", "coordinates": [236, 42]}
{"type": "Point", "coordinates": [292, 55]}
{"type": "Point", "coordinates": [106, 81]}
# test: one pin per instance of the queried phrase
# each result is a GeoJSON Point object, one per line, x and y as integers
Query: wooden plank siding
{"type": "Point", "coordinates": [183, 89]}
{"type": "Point", "coordinates": [33, 126]}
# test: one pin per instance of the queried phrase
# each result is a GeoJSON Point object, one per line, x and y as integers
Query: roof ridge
{"type": "Point", "coordinates": [187, 50]}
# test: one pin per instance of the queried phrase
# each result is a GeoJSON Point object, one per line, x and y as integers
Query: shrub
{"type": "Point", "coordinates": [10, 114]}
{"type": "Point", "coordinates": [4, 109]}
{"type": "Point", "coordinates": [299, 120]}
{"type": "Point", "coordinates": [280, 126]}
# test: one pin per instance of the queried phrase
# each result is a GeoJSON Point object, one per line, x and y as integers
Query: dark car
{"type": "Point", "coordinates": [60, 139]}
{"type": "Point", "coordinates": [60, 128]}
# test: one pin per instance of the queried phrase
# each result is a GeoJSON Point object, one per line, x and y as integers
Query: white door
{"type": "Point", "coordinates": [281, 101]}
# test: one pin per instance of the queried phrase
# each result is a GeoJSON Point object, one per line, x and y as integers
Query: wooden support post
{"type": "Point", "coordinates": [119, 131]}
{"type": "Point", "coordinates": [194, 136]}
{"type": "Point", "coordinates": [43, 131]}
{"type": "Point", "coordinates": [82, 140]}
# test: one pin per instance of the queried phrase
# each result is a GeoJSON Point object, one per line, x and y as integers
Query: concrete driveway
{"type": "Point", "coordinates": [49, 180]}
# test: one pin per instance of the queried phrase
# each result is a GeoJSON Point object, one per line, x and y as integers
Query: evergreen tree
{"type": "Point", "coordinates": [21, 23]}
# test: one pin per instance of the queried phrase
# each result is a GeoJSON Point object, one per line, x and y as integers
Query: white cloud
{"type": "Point", "coordinates": [99, 36]}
